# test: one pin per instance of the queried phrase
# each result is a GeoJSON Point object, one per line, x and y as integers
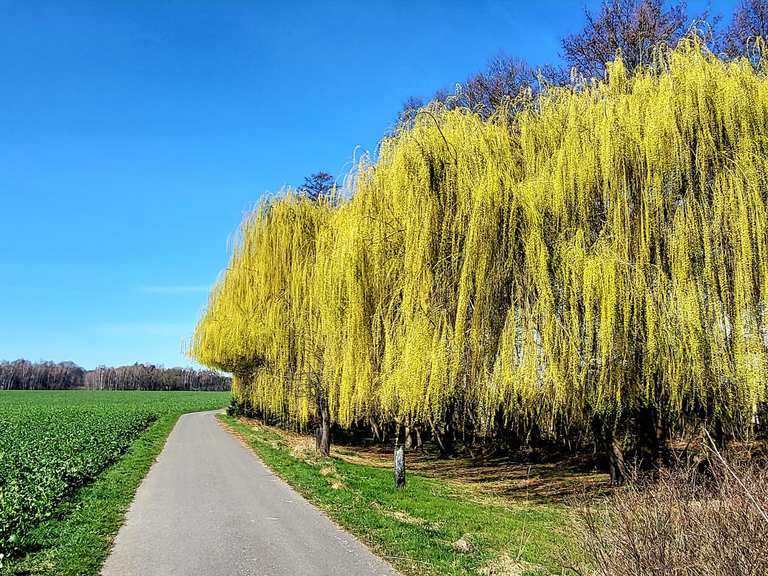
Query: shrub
{"type": "Point", "coordinates": [709, 520]}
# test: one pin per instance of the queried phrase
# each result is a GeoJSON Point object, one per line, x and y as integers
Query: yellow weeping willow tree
{"type": "Point", "coordinates": [261, 319]}
{"type": "Point", "coordinates": [603, 252]}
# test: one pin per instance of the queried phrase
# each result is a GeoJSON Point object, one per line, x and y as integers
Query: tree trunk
{"type": "Point", "coordinates": [323, 432]}
{"type": "Point", "coordinates": [408, 440]}
{"type": "Point", "coordinates": [647, 446]}
{"type": "Point", "coordinates": [719, 435]}
{"type": "Point", "coordinates": [445, 441]}
{"type": "Point", "coordinates": [608, 444]}
{"type": "Point", "coordinates": [399, 467]}
{"type": "Point", "coordinates": [376, 433]}
{"type": "Point", "coordinates": [444, 437]}
{"type": "Point", "coordinates": [616, 465]}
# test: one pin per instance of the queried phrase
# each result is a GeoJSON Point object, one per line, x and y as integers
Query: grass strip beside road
{"type": "Point", "coordinates": [430, 526]}
{"type": "Point", "coordinates": [75, 534]}
{"type": "Point", "coordinates": [78, 541]}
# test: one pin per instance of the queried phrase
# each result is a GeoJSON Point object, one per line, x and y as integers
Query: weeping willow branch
{"type": "Point", "coordinates": [606, 248]}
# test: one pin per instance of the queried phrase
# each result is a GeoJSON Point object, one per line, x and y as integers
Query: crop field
{"type": "Point", "coordinates": [52, 443]}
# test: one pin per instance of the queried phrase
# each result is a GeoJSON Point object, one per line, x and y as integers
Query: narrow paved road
{"type": "Point", "coordinates": [209, 507]}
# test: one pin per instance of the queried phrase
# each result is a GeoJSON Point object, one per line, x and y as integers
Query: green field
{"type": "Point", "coordinates": [70, 462]}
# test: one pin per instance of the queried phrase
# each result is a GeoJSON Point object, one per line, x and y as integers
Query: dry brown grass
{"type": "Point", "coordinates": [505, 565]}
{"type": "Point", "coordinates": [399, 515]}
{"type": "Point", "coordinates": [495, 478]}
{"type": "Point", "coordinates": [685, 522]}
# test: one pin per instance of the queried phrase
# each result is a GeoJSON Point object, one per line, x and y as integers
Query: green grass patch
{"type": "Point", "coordinates": [430, 526]}
{"type": "Point", "coordinates": [75, 535]}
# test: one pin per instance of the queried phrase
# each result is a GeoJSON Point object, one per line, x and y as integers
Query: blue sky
{"type": "Point", "coordinates": [134, 135]}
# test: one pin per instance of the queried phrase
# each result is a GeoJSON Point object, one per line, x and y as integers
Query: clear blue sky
{"type": "Point", "coordinates": [134, 135]}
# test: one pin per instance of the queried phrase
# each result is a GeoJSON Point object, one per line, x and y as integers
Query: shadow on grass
{"type": "Point", "coordinates": [436, 525]}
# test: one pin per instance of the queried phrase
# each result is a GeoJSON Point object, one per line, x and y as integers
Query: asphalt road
{"type": "Point", "coordinates": [209, 507]}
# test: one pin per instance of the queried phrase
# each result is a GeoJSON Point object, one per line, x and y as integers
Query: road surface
{"type": "Point", "coordinates": [209, 507]}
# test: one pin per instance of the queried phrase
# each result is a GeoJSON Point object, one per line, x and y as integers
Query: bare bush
{"type": "Point", "coordinates": [707, 520]}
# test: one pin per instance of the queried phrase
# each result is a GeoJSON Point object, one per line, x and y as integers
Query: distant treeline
{"type": "Point", "coordinates": [26, 375]}
{"type": "Point", "coordinates": [150, 377]}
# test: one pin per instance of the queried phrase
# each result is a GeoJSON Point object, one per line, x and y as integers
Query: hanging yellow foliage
{"type": "Point", "coordinates": [606, 247]}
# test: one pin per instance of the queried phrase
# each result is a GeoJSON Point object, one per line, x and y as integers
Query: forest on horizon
{"type": "Point", "coordinates": [26, 375]}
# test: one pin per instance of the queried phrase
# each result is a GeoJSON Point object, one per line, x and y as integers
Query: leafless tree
{"type": "Point", "coordinates": [26, 375]}
{"type": "Point", "coordinates": [749, 22]}
{"type": "Point", "coordinates": [409, 107]}
{"type": "Point", "coordinates": [500, 84]}
{"type": "Point", "coordinates": [634, 27]}
{"type": "Point", "coordinates": [151, 377]}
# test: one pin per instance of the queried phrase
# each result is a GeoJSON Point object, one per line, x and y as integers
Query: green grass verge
{"type": "Point", "coordinates": [422, 528]}
{"type": "Point", "coordinates": [78, 541]}
{"type": "Point", "coordinates": [78, 526]}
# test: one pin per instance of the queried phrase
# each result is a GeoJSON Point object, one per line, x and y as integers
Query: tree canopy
{"type": "Point", "coordinates": [603, 250]}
